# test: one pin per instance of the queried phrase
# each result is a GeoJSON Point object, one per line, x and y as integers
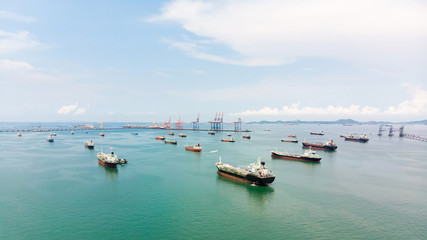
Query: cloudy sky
{"type": "Point", "coordinates": [258, 60]}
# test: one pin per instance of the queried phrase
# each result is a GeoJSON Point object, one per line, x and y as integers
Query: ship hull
{"type": "Point", "coordinates": [90, 146]}
{"type": "Point", "coordinates": [319, 147]}
{"type": "Point", "coordinates": [293, 141]}
{"type": "Point", "coordinates": [299, 158]}
{"type": "Point", "coordinates": [321, 134]}
{"type": "Point", "coordinates": [193, 150]}
{"type": "Point", "coordinates": [357, 139]}
{"type": "Point", "coordinates": [250, 178]}
{"type": "Point", "coordinates": [110, 165]}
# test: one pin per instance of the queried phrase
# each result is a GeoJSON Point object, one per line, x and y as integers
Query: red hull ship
{"type": "Point", "coordinates": [195, 148]}
{"type": "Point", "coordinates": [160, 138]}
{"type": "Point", "coordinates": [329, 146]}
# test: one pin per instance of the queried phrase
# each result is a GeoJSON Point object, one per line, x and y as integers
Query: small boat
{"type": "Point", "coordinates": [182, 135]}
{"type": "Point", "coordinates": [246, 136]}
{"type": "Point", "coordinates": [102, 134]}
{"type": "Point", "coordinates": [134, 133]}
{"type": "Point", "coordinates": [19, 134]}
{"type": "Point", "coordinates": [256, 173]}
{"type": "Point", "coordinates": [362, 138]}
{"type": "Point", "coordinates": [211, 132]}
{"type": "Point", "coordinates": [292, 136]}
{"type": "Point", "coordinates": [293, 140]}
{"type": "Point", "coordinates": [317, 133]}
{"type": "Point", "coordinates": [196, 148]}
{"type": "Point", "coordinates": [53, 134]}
{"type": "Point", "coordinates": [267, 130]}
{"type": "Point", "coordinates": [160, 137]}
{"type": "Point", "coordinates": [50, 138]}
{"type": "Point", "coordinates": [228, 140]}
{"type": "Point", "coordinates": [171, 133]}
{"type": "Point", "coordinates": [229, 134]}
{"type": "Point", "coordinates": [329, 145]}
{"type": "Point", "coordinates": [171, 141]}
{"type": "Point", "coordinates": [89, 145]}
{"type": "Point", "coordinates": [72, 132]}
{"type": "Point", "coordinates": [87, 132]}
{"type": "Point", "coordinates": [109, 160]}
{"type": "Point", "coordinates": [309, 155]}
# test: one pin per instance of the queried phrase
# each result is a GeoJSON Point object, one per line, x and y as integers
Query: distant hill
{"type": "Point", "coordinates": [340, 121]}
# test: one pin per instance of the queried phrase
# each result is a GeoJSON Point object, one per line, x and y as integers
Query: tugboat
{"type": "Point", "coordinates": [211, 132]}
{"type": "Point", "coordinates": [89, 145]}
{"type": "Point", "coordinates": [329, 145]}
{"type": "Point", "coordinates": [19, 134]}
{"type": "Point", "coordinates": [171, 141]}
{"type": "Point", "coordinates": [109, 160]}
{"type": "Point", "coordinates": [294, 140]}
{"type": "Point", "coordinates": [171, 133]}
{"type": "Point", "coordinates": [362, 138]}
{"type": "Point", "coordinates": [160, 137]}
{"type": "Point", "coordinates": [50, 138]}
{"type": "Point", "coordinates": [196, 148]}
{"type": "Point", "coordinates": [309, 155]}
{"type": "Point", "coordinates": [182, 135]}
{"type": "Point", "coordinates": [101, 134]}
{"type": "Point", "coordinates": [228, 140]}
{"type": "Point", "coordinates": [256, 173]}
{"type": "Point", "coordinates": [317, 133]}
{"type": "Point", "coordinates": [246, 136]}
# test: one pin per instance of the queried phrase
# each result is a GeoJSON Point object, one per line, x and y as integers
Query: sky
{"type": "Point", "coordinates": [142, 61]}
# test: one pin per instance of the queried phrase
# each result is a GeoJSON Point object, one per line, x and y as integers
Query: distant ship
{"type": "Point", "coordinates": [171, 133]}
{"type": "Point", "coordinates": [256, 173]}
{"type": "Point", "coordinates": [228, 140]}
{"type": "Point", "coordinates": [160, 137]}
{"type": "Point", "coordinates": [90, 145]}
{"type": "Point", "coordinates": [50, 138]}
{"type": "Point", "coordinates": [171, 141]}
{"type": "Point", "coordinates": [293, 140]}
{"type": "Point", "coordinates": [309, 155]}
{"type": "Point", "coordinates": [101, 134]}
{"type": "Point", "coordinates": [134, 133]}
{"type": "Point", "coordinates": [72, 132]}
{"type": "Point", "coordinates": [329, 145]}
{"type": "Point", "coordinates": [229, 134]}
{"type": "Point", "coordinates": [196, 148]}
{"type": "Point", "coordinates": [362, 138]}
{"type": "Point", "coordinates": [182, 135]}
{"type": "Point", "coordinates": [246, 136]}
{"type": "Point", "coordinates": [19, 134]}
{"type": "Point", "coordinates": [211, 132]}
{"type": "Point", "coordinates": [292, 136]}
{"type": "Point", "coordinates": [317, 133]}
{"type": "Point", "coordinates": [267, 130]}
{"type": "Point", "coordinates": [109, 160]}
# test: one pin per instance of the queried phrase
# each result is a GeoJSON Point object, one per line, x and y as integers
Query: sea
{"type": "Point", "coordinates": [373, 190]}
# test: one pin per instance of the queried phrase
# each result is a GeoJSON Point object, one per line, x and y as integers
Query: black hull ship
{"type": "Point", "coordinates": [293, 140]}
{"type": "Point", "coordinates": [309, 155]}
{"type": "Point", "coordinates": [329, 146]}
{"type": "Point", "coordinates": [352, 138]}
{"type": "Point", "coordinates": [317, 133]}
{"type": "Point", "coordinates": [256, 173]}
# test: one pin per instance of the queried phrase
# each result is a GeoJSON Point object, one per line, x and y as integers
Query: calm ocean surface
{"type": "Point", "coordinates": [374, 190]}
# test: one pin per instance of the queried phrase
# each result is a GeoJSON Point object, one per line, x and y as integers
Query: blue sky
{"type": "Point", "coordinates": [258, 60]}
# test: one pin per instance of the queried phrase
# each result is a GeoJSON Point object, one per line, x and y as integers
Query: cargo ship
{"type": "Point", "coordinates": [160, 137]}
{"type": "Point", "coordinates": [182, 135]}
{"type": "Point", "coordinates": [317, 133]}
{"type": "Point", "coordinates": [228, 140]}
{"type": "Point", "coordinates": [309, 155]}
{"type": "Point", "coordinates": [171, 141]}
{"type": "Point", "coordinates": [211, 132]}
{"type": "Point", "coordinates": [329, 145]}
{"type": "Point", "coordinates": [292, 136]}
{"type": "Point", "coordinates": [362, 138]}
{"type": "Point", "coordinates": [171, 133]}
{"type": "Point", "coordinates": [109, 160]}
{"type": "Point", "coordinates": [196, 148]}
{"type": "Point", "coordinates": [256, 173]}
{"type": "Point", "coordinates": [293, 140]}
{"type": "Point", "coordinates": [246, 136]}
{"type": "Point", "coordinates": [89, 145]}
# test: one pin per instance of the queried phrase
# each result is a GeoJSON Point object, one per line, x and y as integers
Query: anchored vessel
{"type": "Point", "coordinates": [19, 134]}
{"type": "Point", "coordinates": [317, 133]}
{"type": "Point", "coordinates": [211, 132]}
{"type": "Point", "coordinates": [294, 140]}
{"type": "Point", "coordinates": [160, 137]}
{"type": "Point", "coordinates": [110, 160]}
{"type": "Point", "coordinates": [329, 145]}
{"type": "Point", "coordinates": [255, 173]}
{"type": "Point", "coordinates": [309, 155]}
{"type": "Point", "coordinates": [196, 148]}
{"type": "Point", "coordinates": [292, 136]}
{"type": "Point", "coordinates": [246, 136]}
{"type": "Point", "coordinates": [101, 134]}
{"type": "Point", "coordinates": [171, 133]}
{"type": "Point", "coordinates": [90, 145]}
{"type": "Point", "coordinates": [228, 140]}
{"type": "Point", "coordinates": [362, 138]}
{"type": "Point", "coordinates": [50, 138]}
{"type": "Point", "coordinates": [134, 133]}
{"type": "Point", "coordinates": [182, 135]}
{"type": "Point", "coordinates": [171, 141]}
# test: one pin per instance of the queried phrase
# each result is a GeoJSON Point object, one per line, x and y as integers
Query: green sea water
{"type": "Point", "coordinates": [374, 190]}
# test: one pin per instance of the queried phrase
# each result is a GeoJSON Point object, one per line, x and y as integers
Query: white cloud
{"type": "Point", "coordinates": [67, 109]}
{"type": "Point", "coordinates": [274, 32]}
{"type": "Point", "coordinates": [15, 41]}
{"type": "Point", "coordinates": [23, 71]}
{"type": "Point", "coordinates": [80, 111]}
{"type": "Point", "coordinates": [16, 17]}
{"type": "Point", "coordinates": [417, 106]}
